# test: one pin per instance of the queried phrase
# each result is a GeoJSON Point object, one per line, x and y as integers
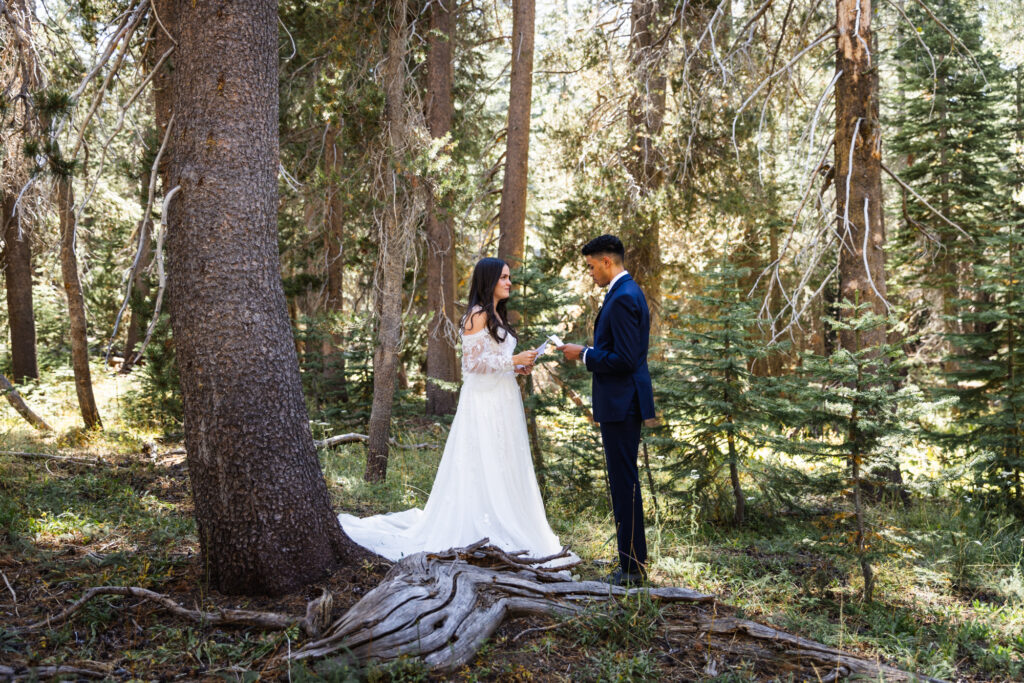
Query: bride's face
{"type": "Point", "coordinates": [503, 289]}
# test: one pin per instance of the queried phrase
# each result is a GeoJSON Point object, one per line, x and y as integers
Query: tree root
{"type": "Point", "coordinates": [441, 607]}
{"type": "Point", "coordinates": [318, 612]}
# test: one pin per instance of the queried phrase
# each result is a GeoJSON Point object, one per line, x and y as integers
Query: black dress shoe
{"type": "Point", "coordinates": [626, 579]}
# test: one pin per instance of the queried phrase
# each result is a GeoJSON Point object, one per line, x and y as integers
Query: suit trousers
{"type": "Point", "coordinates": [621, 442]}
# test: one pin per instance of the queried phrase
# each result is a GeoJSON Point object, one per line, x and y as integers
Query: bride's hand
{"type": "Point", "coordinates": [524, 369]}
{"type": "Point", "coordinates": [525, 358]}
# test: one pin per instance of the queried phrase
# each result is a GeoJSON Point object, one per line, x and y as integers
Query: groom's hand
{"type": "Point", "coordinates": [570, 351]}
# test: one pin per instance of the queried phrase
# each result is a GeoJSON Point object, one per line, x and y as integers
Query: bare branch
{"type": "Point", "coordinates": [130, 275]}
{"type": "Point", "coordinates": [925, 202]}
{"type": "Point", "coordinates": [162, 277]}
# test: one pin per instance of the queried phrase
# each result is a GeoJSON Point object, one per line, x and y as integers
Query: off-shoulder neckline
{"type": "Point", "coordinates": [473, 334]}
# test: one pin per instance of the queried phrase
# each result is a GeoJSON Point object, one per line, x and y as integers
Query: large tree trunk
{"type": "Point", "coordinates": [512, 213]}
{"type": "Point", "coordinates": [646, 119]}
{"type": "Point", "coordinates": [17, 254]}
{"type": "Point", "coordinates": [858, 164]}
{"type": "Point", "coordinates": [76, 304]}
{"type": "Point", "coordinates": [264, 518]}
{"type": "Point", "coordinates": [442, 363]}
{"type": "Point", "coordinates": [17, 258]}
{"type": "Point", "coordinates": [393, 250]}
{"type": "Point", "coordinates": [334, 235]}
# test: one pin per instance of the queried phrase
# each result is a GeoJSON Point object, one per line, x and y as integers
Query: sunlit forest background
{"type": "Point", "coordinates": [840, 448]}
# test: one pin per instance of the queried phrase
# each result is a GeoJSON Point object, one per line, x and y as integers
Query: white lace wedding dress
{"type": "Point", "coordinates": [485, 485]}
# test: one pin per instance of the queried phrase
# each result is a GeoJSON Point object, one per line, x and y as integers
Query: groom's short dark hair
{"type": "Point", "coordinates": [605, 244]}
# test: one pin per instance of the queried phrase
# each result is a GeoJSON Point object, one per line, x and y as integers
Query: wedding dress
{"type": "Point", "coordinates": [485, 485]}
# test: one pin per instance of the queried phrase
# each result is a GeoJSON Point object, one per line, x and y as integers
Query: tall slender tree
{"type": "Point", "coordinates": [442, 363]}
{"type": "Point", "coordinates": [646, 120]}
{"type": "Point", "coordinates": [334, 240]}
{"type": "Point", "coordinates": [858, 171]}
{"type": "Point", "coordinates": [512, 213]}
{"type": "Point", "coordinates": [17, 260]}
{"type": "Point", "coordinates": [23, 80]}
{"type": "Point", "coordinates": [264, 518]}
{"type": "Point", "coordinates": [395, 238]}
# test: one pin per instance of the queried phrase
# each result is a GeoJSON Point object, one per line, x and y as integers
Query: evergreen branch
{"type": "Point", "coordinates": [955, 38]}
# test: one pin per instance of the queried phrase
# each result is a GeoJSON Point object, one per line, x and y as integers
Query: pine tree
{"type": "Point", "coordinates": [857, 413]}
{"type": "Point", "coordinates": [711, 401]}
{"type": "Point", "coordinates": [946, 130]}
{"type": "Point", "coordinates": [988, 375]}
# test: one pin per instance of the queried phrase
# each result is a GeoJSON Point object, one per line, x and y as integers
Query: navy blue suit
{"type": "Point", "coordinates": [623, 398]}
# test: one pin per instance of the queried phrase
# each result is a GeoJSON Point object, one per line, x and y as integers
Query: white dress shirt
{"type": "Point", "coordinates": [610, 285]}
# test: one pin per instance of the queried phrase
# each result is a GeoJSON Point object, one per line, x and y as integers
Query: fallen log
{"type": "Point", "coordinates": [18, 403]}
{"type": "Point", "coordinates": [441, 607]}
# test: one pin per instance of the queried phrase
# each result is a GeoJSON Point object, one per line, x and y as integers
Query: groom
{"type": "Point", "coordinates": [623, 397]}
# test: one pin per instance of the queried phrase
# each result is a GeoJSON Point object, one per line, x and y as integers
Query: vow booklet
{"type": "Point", "coordinates": [553, 339]}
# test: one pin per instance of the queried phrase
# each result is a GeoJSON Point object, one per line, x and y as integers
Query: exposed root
{"type": "Point", "coordinates": [441, 607]}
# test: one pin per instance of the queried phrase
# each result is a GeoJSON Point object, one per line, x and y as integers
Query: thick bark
{"type": "Point", "coordinates": [394, 243]}
{"type": "Point", "coordinates": [334, 235]}
{"type": "Point", "coordinates": [264, 518]}
{"type": "Point", "coordinates": [442, 363]}
{"type": "Point", "coordinates": [17, 258]}
{"type": "Point", "coordinates": [646, 119]}
{"type": "Point", "coordinates": [512, 213]}
{"type": "Point", "coordinates": [858, 164]}
{"type": "Point", "coordinates": [76, 304]}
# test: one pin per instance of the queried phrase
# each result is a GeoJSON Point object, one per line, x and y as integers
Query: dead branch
{"type": "Point", "coordinates": [130, 276]}
{"type": "Point", "coordinates": [740, 636]}
{"type": "Point", "coordinates": [362, 438]}
{"type": "Point", "coordinates": [59, 458]}
{"type": "Point", "coordinates": [18, 403]}
{"type": "Point", "coordinates": [442, 606]}
{"type": "Point", "coordinates": [35, 673]}
{"type": "Point", "coordinates": [925, 202]}
{"type": "Point", "coordinates": [571, 393]}
{"type": "Point", "coordinates": [317, 612]}
{"type": "Point", "coordinates": [161, 276]}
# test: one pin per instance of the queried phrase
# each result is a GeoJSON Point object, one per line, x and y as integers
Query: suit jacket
{"type": "Point", "coordinates": [618, 359]}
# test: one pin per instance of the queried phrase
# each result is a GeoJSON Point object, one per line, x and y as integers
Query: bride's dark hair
{"type": "Point", "coordinates": [481, 296]}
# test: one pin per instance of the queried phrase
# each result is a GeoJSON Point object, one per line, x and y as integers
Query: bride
{"type": "Point", "coordinates": [485, 485]}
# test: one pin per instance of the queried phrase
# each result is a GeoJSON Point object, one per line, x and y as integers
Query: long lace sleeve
{"type": "Point", "coordinates": [481, 354]}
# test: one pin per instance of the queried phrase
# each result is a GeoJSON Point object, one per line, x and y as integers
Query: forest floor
{"type": "Point", "coordinates": [950, 604]}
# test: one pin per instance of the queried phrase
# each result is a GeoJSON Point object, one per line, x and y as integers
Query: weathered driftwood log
{"type": "Point", "coordinates": [441, 607]}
